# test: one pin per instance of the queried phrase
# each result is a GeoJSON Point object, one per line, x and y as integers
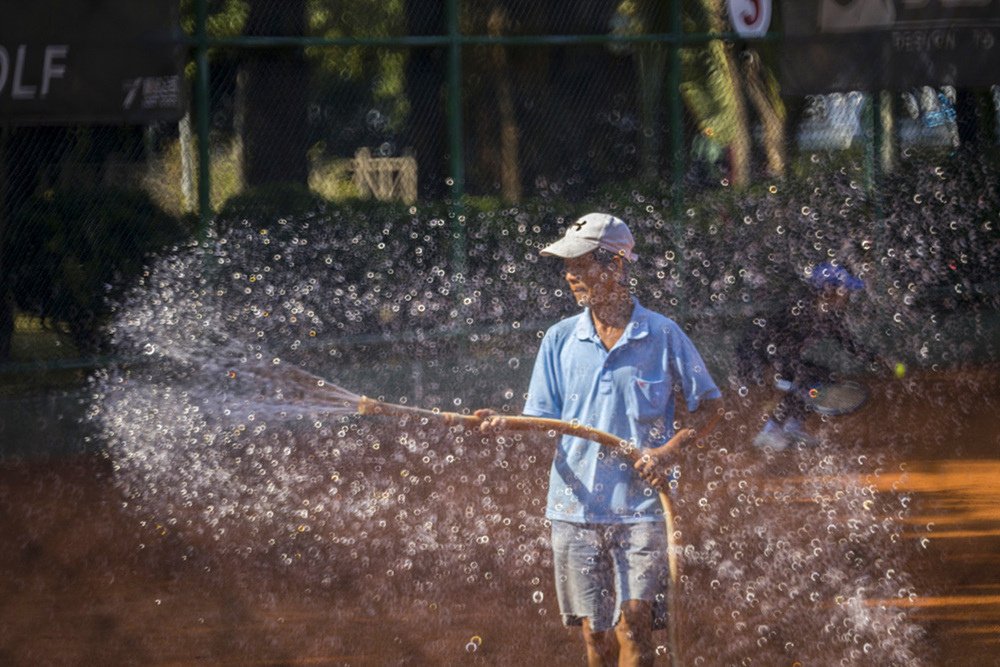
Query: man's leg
{"type": "Point", "coordinates": [602, 647]}
{"type": "Point", "coordinates": [643, 574]}
{"type": "Point", "coordinates": [635, 634]}
{"type": "Point", "coordinates": [583, 577]}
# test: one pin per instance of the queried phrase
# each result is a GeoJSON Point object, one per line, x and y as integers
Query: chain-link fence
{"type": "Point", "coordinates": [352, 196]}
{"type": "Point", "coordinates": [485, 126]}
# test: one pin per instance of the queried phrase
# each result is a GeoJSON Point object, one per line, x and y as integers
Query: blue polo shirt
{"type": "Point", "coordinates": [626, 391]}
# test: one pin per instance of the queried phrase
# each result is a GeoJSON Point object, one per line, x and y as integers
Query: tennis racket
{"type": "Point", "coordinates": [830, 398]}
{"type": "Point", "coordinates": [837, 398]}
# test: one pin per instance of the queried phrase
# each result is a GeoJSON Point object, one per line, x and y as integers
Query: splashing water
{"type": "Point", "coordinates": [222, 428]}
{"type": "Point", "coordinates": [798, 562]}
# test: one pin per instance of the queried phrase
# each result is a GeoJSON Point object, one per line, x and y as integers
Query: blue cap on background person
{"type": "Point", "coordinates": [828, 274]}
{"type": "Point", "coordinates": [593, 231]}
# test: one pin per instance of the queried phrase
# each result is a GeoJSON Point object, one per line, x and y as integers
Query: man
{"type": "Point", "coordinates": [613, 367]}
{"type": "Point", "coordinates": [783, 341]}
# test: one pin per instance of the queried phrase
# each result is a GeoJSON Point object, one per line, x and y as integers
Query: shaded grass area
{"type": "Point", "coordinates": [41, 391]}
{"type": "Point", "coordinates": [43, 357]}
{"type": "Point", "coordinates": [37, 339]}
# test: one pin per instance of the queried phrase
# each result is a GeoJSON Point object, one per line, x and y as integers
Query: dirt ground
{"type": "Point", "coordinates": [82, 582]}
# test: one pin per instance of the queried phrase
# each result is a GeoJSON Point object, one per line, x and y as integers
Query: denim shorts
{"type": "Point", "coordinates": [600, 566]}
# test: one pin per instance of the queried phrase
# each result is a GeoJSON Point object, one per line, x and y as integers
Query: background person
{"type": "Point", "coordinates": [615, 367]}
{"type": "Point", "coordinates": [780, 349]}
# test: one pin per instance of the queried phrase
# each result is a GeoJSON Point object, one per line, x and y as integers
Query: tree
{"type": "Point", "coordinates": [276, 92]}
{"type": "Point", "coordinates": [425, 89]}
{"type": "Point", "coordinates": [71, 250]}
{"type": "Point", "coordinates": [490, 88]}
{"type": "Point", "coordinates": [711, 90]}
{"type": "Point", "coordinates": [225, 18]}
{"type": "Point", "coordinates": [765, 96]}
{"type": "Point", "coordinates": [278, 109]}
{"type": "Point", "coordinates": [568, 123]}
{"type": "Point", "coordinates": [715, 90]}
{"type": "Point", "coordinates": [510, 165]}
{"type": "Point", "coordinates": [29, 159]}
{"type": "Point", "coordinates": [636, 17]}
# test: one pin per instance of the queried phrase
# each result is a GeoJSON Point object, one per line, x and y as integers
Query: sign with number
{"type": "Point", "coordinates": [99, 61]}
{"type": "Point", "coordinates": [750, 18]}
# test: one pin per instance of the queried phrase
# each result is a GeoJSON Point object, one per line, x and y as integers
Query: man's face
{"type": "Point", "coordinates": [591, 282]}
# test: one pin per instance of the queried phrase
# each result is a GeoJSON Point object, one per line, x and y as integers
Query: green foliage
{"type": "Point", "coordinates": [226, 18]}
{"type": "Point", "coordinates": [331, 177]}
{"type": "Point", "coordinates": [356, 73]}
{"type": "Point", "coordinates": [359, 19]}
{"type": "Point", "coordinates": [710, 91]}
{"type": "Point", "coordinates": [372, 79]}
{"type": "Point", "coordinates": [68, 251]}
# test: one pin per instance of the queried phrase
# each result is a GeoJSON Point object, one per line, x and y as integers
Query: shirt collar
{"type": "Point", "coordinates": [637, 327]}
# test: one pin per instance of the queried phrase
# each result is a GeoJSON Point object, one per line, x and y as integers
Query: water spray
{"type": "Point", "coordinates": [304, 385]}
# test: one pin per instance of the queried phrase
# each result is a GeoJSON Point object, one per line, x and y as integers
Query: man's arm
{"type": "Point", "coordinates": [706, 418]}
{"type": "Point", "coordinates": [702, 422]}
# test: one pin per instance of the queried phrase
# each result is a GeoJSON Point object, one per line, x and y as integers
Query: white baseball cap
{"type": "Point", "coordinates": [593, 231]}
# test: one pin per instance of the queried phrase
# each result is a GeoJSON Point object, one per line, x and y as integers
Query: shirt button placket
{"type": "Point", "coordinates": [606, 383]}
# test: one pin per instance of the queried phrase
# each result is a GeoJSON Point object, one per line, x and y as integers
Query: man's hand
{"type": "Point", "coordinates": [650, 464]}
{"type": "Point", "coordinates": [489, 421]}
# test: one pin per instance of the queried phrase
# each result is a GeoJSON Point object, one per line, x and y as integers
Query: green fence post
{"type": "Point", "coordinates": [676, 109]}
{"type": "Point", "coordinates": [201, 116]}
{"type": "Point", "coordinates": [456, 210]}
{"type": "Point", "coordinates": [878, 147]}
{"type": "Point", "coordinates": [455, 144]}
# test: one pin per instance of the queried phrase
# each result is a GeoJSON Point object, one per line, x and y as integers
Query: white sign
{"type": "Point", "coordinates": [750, 18]}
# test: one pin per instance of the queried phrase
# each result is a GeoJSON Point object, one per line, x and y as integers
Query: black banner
{"type": "Point", "coordinates": [842, 45]}
{"type": "Point", "coordinates": [90, 61]}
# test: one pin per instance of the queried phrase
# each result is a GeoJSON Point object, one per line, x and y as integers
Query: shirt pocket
{"type": "Point", "coordinates": [647, 400]}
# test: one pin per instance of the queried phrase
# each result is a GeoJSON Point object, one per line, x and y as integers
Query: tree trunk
{"type": "Point", "coordinates": [425, 75]}
{"type": "Point", "coordinates": [725, 92]}
{"type": "Point", "coordinates": [652, 68]}
{"type": "Point", "coordinates": [740, 145]}
{"type": "Point", "coordinates": [238, 152]}
{"type": "Point", "coordinates": [563, 96]}
{"type": "Point", "coordinates": [652, 60]}
{"type": "Point", "coordinates": [277, 81]}
{"type": "Point", "coordinates": [888, 153]}
{"type": "Point", "coordinates": [967, 118]}
{"type": "Point", "coordinates": [510, 166]}
{"type": "Point", "coordinates": [770, 110]}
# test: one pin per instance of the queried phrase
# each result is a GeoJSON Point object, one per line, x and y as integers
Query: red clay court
{"type": "Point", "coordinates": [85, 583]}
